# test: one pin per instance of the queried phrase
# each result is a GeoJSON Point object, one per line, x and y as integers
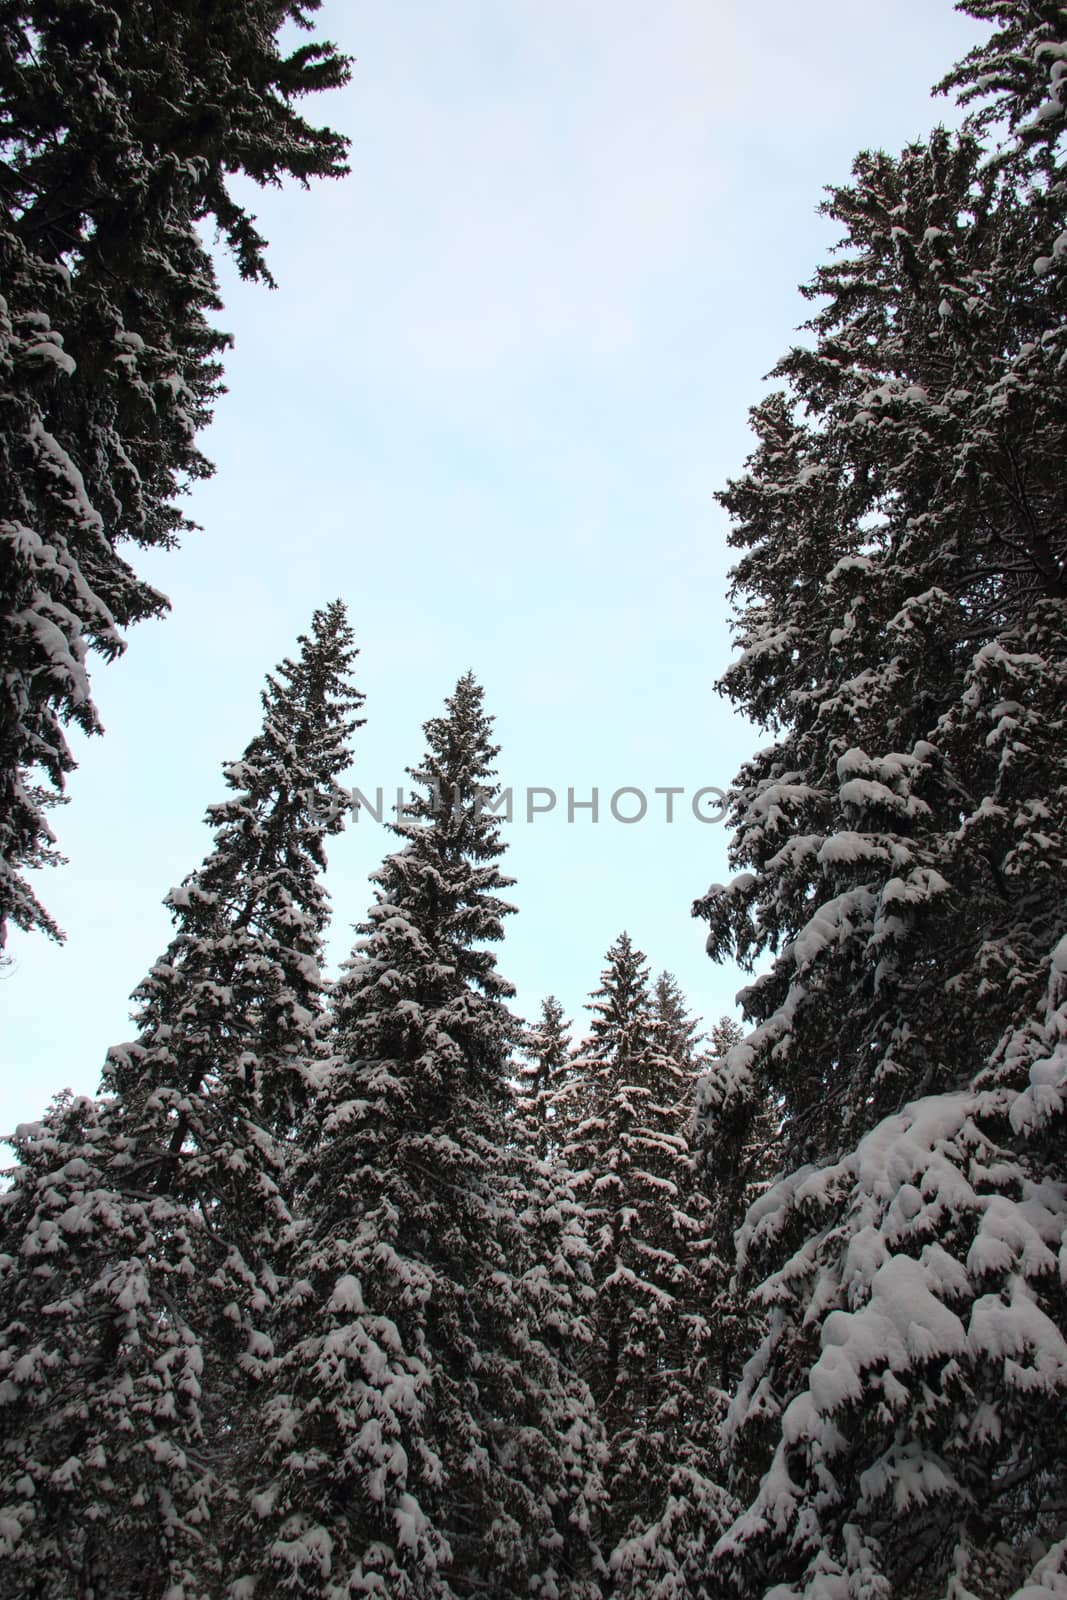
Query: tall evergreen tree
{"type": "Point", "coordinates": [625, 1146]}
{"type": "Point", "coordinates": [678, 1032]}
{"type": "Point", "coordinates": [724, 1035]}
{"type": "Point", "coordinates": [904, 847]}
{"type": "Point", "coordinates": [144, 1233]}
{"type": "Point", "coordinates": [634, 1175]}
{"type": "Point", "coordinates": [425, 1439]}
{"type": "Point", "coordinates": [666, 1473]}
{"type": "Point", "coordinates": [542, 1075]}
{"type": "Point", "coordinates": [551, 1215]}
{"type": "Point", "coordinates": [121, 127]}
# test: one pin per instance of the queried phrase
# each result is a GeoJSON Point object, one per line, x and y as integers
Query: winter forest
{"type": "Point", "coordinates": [366, 1285]}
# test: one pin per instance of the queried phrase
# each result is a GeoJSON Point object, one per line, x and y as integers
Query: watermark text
{"type": "Point", "coordinates": [626, 805]}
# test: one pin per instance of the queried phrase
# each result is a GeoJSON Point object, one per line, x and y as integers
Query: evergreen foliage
{"type": "Point", "coordinates": [424, 1437]}
{"type": "Point", "coordinates": [120, 130]}
{"type": "Point", "coordinates": [677, 1033]}
{"type": "Point", "coordinates": [902, 847]}
{"type": "Point", "coordinates": [326, 1296]}
{"type": "Point", "coordinates": [735, 1141]}
{"type": "Point", "coordinates": [634, 1176]}
{"type": "Point", "coordinates": [144, 1233]}
{"type": "Point", "coordinates": [544, 1073]}
{"type": "Point", "coordinates": [551, 1215]}
{"type": "Point", "coordinates": [680, 1508]}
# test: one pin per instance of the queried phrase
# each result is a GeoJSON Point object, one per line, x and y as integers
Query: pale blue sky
{"type": "Point", "coordinates": [508, 363]}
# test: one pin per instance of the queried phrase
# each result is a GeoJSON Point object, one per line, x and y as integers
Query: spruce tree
{"type": "Point", "coordinates": [634, 1176]}
{"type": "Point", "coordinates": [424, 1438]}
{"type": "Point", "coordinates": [121, 128]}
{"type": "Point", "coordinates": [678, 1032]}
{"type": "Point", "coordinates": [624, 1147]}
{"type": "Point", "coordinates": [543, 1191]}
{"type": "Point", "coordinates": [678, 1510]}
{"type": "Point", "coordinates": [543, 1074]}
{"type": "Point", "coordinates": [903, 845]}
{"type": "Point", "coordinates": [724, 1035]}
{"type": "Point", "coordinates": [145, 1232]}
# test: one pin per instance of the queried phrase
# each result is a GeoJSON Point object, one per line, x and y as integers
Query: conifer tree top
{"type": "Point", "coordinates": [250, 919]}
{"type": "Point", "coordinates": [445, 879]}
{"type": "Point", "coordinates": [421, 990]}
{"type": "Point", "coordinates": [678, 1031]}
{"type": "Point", "coordinates": [621, 1006]}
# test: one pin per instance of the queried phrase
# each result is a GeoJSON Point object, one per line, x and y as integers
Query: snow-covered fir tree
{"type": "Point", "coordinates": [629, 1151]}
{"type": "Point", "coordinates": [543, 1072]}
{"type": "Point", "coordinates": [144, 1232]}
{"type": "Point", "coordinates": [903, 847]}
{"type": "Point", "coordinates": [724, 1035]}
{"type": "Point", "coordinates": [678, 1032]}
{"type": "Point", "coordinates": [543, 1184]}
{"type": "Point", "coordinates": [664, 1554]}
{"type": "Point", "coordinates": [634, 1175]}
{"type": "Point", "coordinates": [543, 1187]}
{"type": "Point", "coordinates": [424, 1439]}
{"type": "Point", "coordinates": [122, 126]}
{"type": "Point", "coordinates": [733, 1136]}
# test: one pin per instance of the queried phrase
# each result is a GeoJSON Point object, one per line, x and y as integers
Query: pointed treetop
{"type": "Point", "coordinates": [542, 1076]}
{"type": "Point", "coordinates": [621, 1023]}
{"type": "Point", "coordinates": [458, 773]}
{"type": "Point", "coordinates": [677, 1030]}
{"type": "Point", "coordinates": [175, 1190]}
{"type": "Point", "coordinates": [425, 940]}
{"type": "Point", "coordinates": [444, 879]}
{"type": "Point", "coordinates": [239, 982]}
{"type": "Point", "coordinates": [424, 1378]}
